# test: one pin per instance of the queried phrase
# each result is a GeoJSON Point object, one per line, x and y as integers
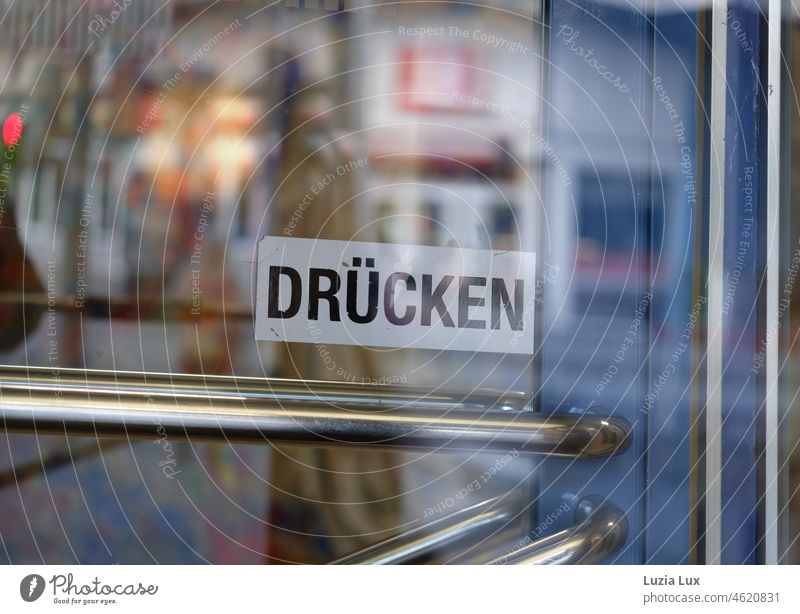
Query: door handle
{"type": "Point", "coordinates": [447, 532]}
{"type": "Point", "coordinates": [134, 405]}
{"type": "Point", "coordinates": [600, 530]}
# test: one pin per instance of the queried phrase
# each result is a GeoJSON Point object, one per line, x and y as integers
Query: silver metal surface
{"type": "Point", "coordinates": [140, 405]}
{"type": "Point", "coordinates": [715, 305]}
{"type": "Point", "coordinates": [772, 412]}
{"type": "Point", "coordinates": [289, 392]}
{"type": "Point", "coordinates": [438, 536]}
{"type": "Point", "coordinates": [600, 531]}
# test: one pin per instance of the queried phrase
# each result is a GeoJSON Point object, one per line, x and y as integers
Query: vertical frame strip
{"type": "Point", "coordinates": [716, 224]}
{"type": "Point", "coordinates": [773, 282]}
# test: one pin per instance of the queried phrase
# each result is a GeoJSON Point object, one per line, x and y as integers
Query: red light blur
{"type": "Point", "coordinates": [12, 129]}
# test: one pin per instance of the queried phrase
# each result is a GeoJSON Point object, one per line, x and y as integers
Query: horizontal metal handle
{"type": "Point", "coordinates": [139, 307]}
{"type": "Point", "coordinates": [287, 392]}
{"type": "Point", "coordinates": [601, 530]}
{"type": "Point", "coordinates": [449, 532]}
{"type": "Point", "coordinates": [139, 405]}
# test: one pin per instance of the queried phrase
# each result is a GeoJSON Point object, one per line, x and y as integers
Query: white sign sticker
{"type": "Point", "coordinates": [389, 295]}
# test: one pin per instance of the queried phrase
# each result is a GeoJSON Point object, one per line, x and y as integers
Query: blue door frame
{"type": "Point", "coordinates": [628, 110]}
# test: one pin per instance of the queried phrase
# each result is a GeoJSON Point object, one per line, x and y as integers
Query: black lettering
{"type": "Point", "coordinates": [352, 298]}
{"type": "Point", "coordinates": [315, 295]}
{"type": "Point", "coordinates": [388, 299]}
{"type": "Point", "coordinates": [465, 301]}
{"type": "Point", "coordinates": [273, 300]}
{"type": "Point", "coordinates": [500, 298]}
{"type": "Point", "coordinates": [434, 300]}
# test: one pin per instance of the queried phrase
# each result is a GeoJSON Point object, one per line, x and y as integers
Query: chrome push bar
{"type": "Point", "coordinates": [139, 405]}
{"type": "Point", "coordinates": [447, 532]}
{"type": "Point", "coordinates": [600, 530]}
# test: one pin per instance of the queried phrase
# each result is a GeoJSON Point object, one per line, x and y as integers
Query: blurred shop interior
{"type": "Point", "coordinates": [157, 148]}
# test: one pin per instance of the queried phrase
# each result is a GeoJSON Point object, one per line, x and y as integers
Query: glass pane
{"type": "Point", "coordinates": [158, 146]}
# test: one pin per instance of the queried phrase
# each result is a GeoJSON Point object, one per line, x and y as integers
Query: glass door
{"type": "Point", "coordinates": [569, 193]}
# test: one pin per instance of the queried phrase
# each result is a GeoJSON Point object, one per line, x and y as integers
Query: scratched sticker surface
{"type": "Point", "coordinates": [390, 295]}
